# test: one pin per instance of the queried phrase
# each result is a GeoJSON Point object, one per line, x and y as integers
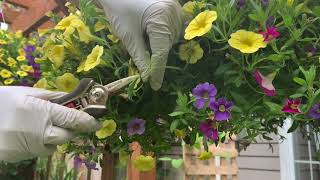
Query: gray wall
{"type": "Point", "coordinates": [259, 162]}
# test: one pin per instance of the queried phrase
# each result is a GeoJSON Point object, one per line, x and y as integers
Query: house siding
{"type": "Point", "coordinates": [260, 160]}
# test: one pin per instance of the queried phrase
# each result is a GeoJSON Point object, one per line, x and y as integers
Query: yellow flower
{"type": "Point", "coordinates": [67, 82]}
{"type": "Point", "coordinates": [26, 68]}
{"type": "Point", "coordinates": [21, 52]}
{"type": "Point", "coordinates": [205, 155]}
{"type": "Point", "coordinates": [8, 81]}
{"type": "Point", "coordinates": [190, 5]}
{"type": "Point", "coordinates": [190, 52]}
{"type": "Point", "coordinates": [99, 26]}
{"type": "Point", "coordinates": [42, 32]}
{"type": "Point", "coordinates": [200, 25]}
{"type": "Point", "coordinates": [290, 2]}
{"type": "Point", "coordinates": [144, 163]}
{"type": "Point", "coordinates": [247, 41]}
{"type": "Point", "coordinates": [12, 62]}
{"type": "Point", "coordinates": [180, 133]}
{"type": "Point", "coordinates": [113, 38]}
{"type": "Point", "coordinates": [56, 55]}
{"type": "Point", "coordinates": [108, 128]}
{"type": "Point", "coordinates": [21, 58]}
{"type": "Point", "coordinates": [62, 148]}
{"type": "Point", "coordinates": [5, 73]}
{"type": "Point", "coordinates": [22, 73]}
{"type": "Point", "coordinates": [42, 84]}
{"type": "Point", "coordinates": [3, 42]}
{"type": "Point", "coordinates": [70, 24]}
{"type": "Point", "coordinates": [18, 34]}
{"type": "Point", "coordinates": [81, 67]}
{"type": "Point", "coordinates": [94, 58]}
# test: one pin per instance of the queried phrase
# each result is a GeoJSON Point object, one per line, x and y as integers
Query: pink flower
{"type": "Point", "coordinates": [292, 106]}
{"type": "Point", "coordinates": [265, 82]}
{"type": "Point", "coordinates": [270, 34]}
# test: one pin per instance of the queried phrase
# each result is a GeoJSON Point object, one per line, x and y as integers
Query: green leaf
{"type": "Point", "coordinates": [254, 17]}
{"type": "Point", "coordinates": [293, 127]}
{"type": "Point", "coordinates": [297, 96]}
{"type": "Point", "coordinates": [165, 159]}
{"type": "Point", "coordinates": [274, 108]}
{"type": "Point", "coordinates": [174, 125]}
{"type": "Point", "coordinates": [316, 11]}
{"type": "Point", "coordinates": [177, 163]}
{"type": "Point", "coordinates": [299, 81]}
{"type": "Point", "coordinates": [177, 113]}
{"type": "Point", "coordinates": [275, 57]}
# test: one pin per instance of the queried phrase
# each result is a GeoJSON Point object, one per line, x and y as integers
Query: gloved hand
{"type": "Point", "coordinates": [146, 24]}
{"type": "Point", "coordinates": [31, 126]}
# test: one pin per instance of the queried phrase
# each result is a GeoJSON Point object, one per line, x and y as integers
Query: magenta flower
{"type": "Point", "coordinates": [221, 109]}
{"type": "Point", "coordinates": [314, 112]}
{"type": "Point", "coordinates": [292, 106]}
{"type": "Point", "coordinates": [265, 82]}
{"type": "Point", "coordinates": [204, 93]}
{"type": "Point", "coordinates": [136, 126]}
{"type": "Point", "coordinates": [270, 34]}
{"type": "Point", "coordinates": [208, 129]}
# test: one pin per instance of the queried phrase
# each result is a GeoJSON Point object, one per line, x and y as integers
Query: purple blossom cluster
{"type": "Point", "coordinates": [29, 50]}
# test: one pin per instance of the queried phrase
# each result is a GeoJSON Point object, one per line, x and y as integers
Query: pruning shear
{"type": "Point", "coordinates": [91, 97]}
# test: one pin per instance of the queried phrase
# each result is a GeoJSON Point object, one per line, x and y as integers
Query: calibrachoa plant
{"type": "Point", "coordinates": [241, 66]}
{"type": "Point", "coordinates": [17, 60]}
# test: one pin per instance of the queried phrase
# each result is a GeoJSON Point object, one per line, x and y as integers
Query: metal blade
{"type": "Point", "coordinates": [119, 84]}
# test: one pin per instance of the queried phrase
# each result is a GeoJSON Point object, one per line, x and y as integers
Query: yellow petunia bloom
{"type": "Point", "coordinates": [21, 52]}
{"type": "Point", "coordinates": [42, 32]}
{"type": "Point", "coordinates": [42, 84]}
{"type": "Point", "coordinates": [56, 55]}
{"type": "Point", "coordinates": [189, 6]}
{"type": "Point", "coordinates": [108, 128]}
{"type": "Point", "coordinates": [21, 58]}
{"type": "Point", "coordinates": [26, 68]}
{"type": "Point", "coordinates": [113, 38]}
{"type": "Point", "coordinates": [200, 25]}
{"type": "Point", "coordinates": [247, 41]}
{"type": "Point", "coordinates": [62, 148]}
{"type": "Point", "coordinates": [8, 81]}
{"type": "Point", "coordinates": [22, 73]}
{"type": "Point", "coordinates": [2, 42]}
{"type": "Point", "coordinates": [84, 33]}
{"type": "Point", "coordinates": [18, 34]}
{"type": "Point", "coordinates": [144, 163]}
{"type": "Point", "coordinates": [12, 62]}
{"type": "Point", "coordinates": [190, 52]}
{"type": "Point", "coordinates": [205, 155]}
{"type": "Point", "coordinates": [81, 67]}
{"type": "Point", "coordinates": [180, 133]}
{"type": "Point", "coordinates": [67, 82]}
{"type": "Point", "coordinates": [94, 58]}
{"type": "Point", "coordinates": [99, 26]}
{"type": "Point", "coordinates": [290, 2]}
{"type": "Point", "coordinates": [5, 73]}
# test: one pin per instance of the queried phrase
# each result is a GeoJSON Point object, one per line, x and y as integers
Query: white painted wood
{"type": "Point", "coordinates": [286, 153]}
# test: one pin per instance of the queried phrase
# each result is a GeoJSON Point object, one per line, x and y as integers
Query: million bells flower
{"type": "Point", "coordinates": [314, 112]}
{"type": "Point", "coordinates": [136, 126]}
{"type": "Point", "coordinates": [190, 52]}
{"type": "Point", "coordinates": [209, 130]}
{"type": "Point", "coordinates": [204, 93]}
{"type": "Point", "coordinates": [108, 128]}
{"type": "Point", "coordinates": [144, 163]}
{"type": "Point", "coordinates": [292, 106]}
{"type": "Point", "coordinates": [200, 25]}
{"type": "Point", "coordinates": [247, 41]}
{"type": "Point", "coordinates": [221, 109]}
{"type": "Point", "coordinates": [67, 82]}
{"type": "Point", "coordinates": [266, 82]}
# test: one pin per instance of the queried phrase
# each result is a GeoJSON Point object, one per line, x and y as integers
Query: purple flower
{"type": "Point", "coordinates": [221, 109]}
{"type": "Point", "coordinates": [311, 50]}
{"type": "Point", "coordinates": [35, 74]}
{"type": "Point", "coordinates": [29, 49]}
{"type": "Point", "coordinates": [265, 82]}
{"type": "Point", "coordinates": [208, 129]}
{"type": "Point", "coordinates": [25, 82]}
{"type": "Point", "coordinates": [91, 165]}
{"type": "Point", "coordinates": [265, 3]}
{"type": "Point", "coordinates": [77, 162]}
{"type": "Point", "coordinates": [240, 4]}
{"type": "Point", "coordinates": [292, 106]}
{"type": "Point", "coordinates": [270, 34]}
{"type": "Point", "coordinates": [136, 126]}
{"type": "Point", "coordinates": [203, 93]}
{"type": "Point", "coordinates": [314, 112]}
{"type": "Point", "coordinates": [30, 58]}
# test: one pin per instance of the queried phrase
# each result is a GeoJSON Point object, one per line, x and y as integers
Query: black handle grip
{"type": "Point", "coordinates": [82, 88]}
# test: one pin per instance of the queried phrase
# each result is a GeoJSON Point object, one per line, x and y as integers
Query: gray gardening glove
{"type": "Point", "coordinates": [32, 126]}
{"type": "Point", "coordinates": [146, 24]}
